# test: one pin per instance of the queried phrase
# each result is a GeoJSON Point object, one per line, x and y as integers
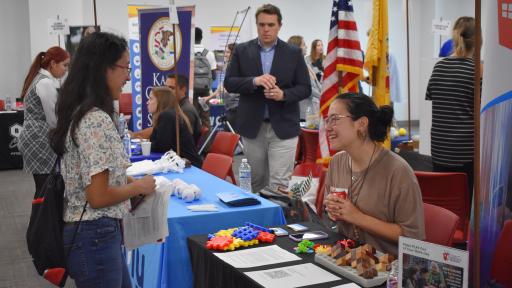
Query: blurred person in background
{"type": "Point", "coordinates": [39, 94]}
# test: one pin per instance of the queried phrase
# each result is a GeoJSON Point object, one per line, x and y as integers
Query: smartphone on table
{"type": "Point", "coordinates": [312, 235]}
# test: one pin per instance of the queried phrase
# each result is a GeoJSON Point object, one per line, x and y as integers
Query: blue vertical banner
{"type": "Point", "coordinates": [134, 44]}
{"type": "Point", "coordinates": [495, 138]}
{"type": "Point", "coordinates": [157, 50]}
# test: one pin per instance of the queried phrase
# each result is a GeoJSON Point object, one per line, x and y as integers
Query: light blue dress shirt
{"type": "Point", "coordinates": [267, 56]}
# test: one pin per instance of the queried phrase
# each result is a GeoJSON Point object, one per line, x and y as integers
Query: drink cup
{"type": "Point", "coordinates": [146, 148]}
{"type": "Point", "coordinates": [339, 192]}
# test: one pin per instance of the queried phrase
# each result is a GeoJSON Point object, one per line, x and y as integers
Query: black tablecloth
{"type": "Point", "coordinates": [11, 124]}
{"type": "Point", "coordinates": [211, 271]}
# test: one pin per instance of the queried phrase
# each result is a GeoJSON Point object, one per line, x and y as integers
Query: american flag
{"type": "Point", "coordinates": [343, 63]}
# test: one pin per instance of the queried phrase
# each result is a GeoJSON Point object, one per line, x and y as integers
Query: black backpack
{"type": "Point", "coordinates": [202, 73]}
{"type": "Point", "coordinates": [45, 230]}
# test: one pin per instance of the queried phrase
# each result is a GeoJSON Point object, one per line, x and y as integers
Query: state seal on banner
{"type": "Point", "coordinates": [160, 44]}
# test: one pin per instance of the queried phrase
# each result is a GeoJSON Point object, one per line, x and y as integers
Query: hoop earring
{"type": "Point", "coordinates": [362, 135]}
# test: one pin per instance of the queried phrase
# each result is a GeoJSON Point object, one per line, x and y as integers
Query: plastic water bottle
{"type": "Point", "coordinates": [310, 118]}
{"type": "Point", "coordinates": [244, 175]}
{"type": "Point", "coordinates": [392, 281]}
{"type": "Point", "coordinates": [8, 103]}
{"type": "Point", "coordinates": [127, 143]}
{"type": "Point", "coordinates": [122, 125]}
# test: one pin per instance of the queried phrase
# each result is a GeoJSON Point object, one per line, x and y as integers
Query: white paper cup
{"type": "Point", "coordinates": [146, 148]}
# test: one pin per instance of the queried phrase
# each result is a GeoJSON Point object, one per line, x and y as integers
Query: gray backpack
{"type": "Point", "coordinates": [202, 73]}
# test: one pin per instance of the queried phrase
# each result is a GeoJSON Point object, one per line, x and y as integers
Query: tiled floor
{"type": "Point", "coordinates": [16, 268]}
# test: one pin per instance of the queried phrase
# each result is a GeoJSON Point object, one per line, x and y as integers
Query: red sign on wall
{"type": "Point", "coordinates": [505, 22]}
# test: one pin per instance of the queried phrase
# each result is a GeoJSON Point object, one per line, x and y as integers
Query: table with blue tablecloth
{"type": "Point", "coordinates": [152, 156]}
{"type": "Point", "coordinates": [168, 264]}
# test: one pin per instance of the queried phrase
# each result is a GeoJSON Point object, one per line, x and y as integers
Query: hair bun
{"type": "Point", "coordinates": [385, 115]}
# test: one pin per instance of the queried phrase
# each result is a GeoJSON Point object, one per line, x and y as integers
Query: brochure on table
{"type": "Point", "coordinates": [437, 265]}
{"type": "Point", "coordinates": [292, 276]}
{"type": "Point", "coordinates": [257, 257]}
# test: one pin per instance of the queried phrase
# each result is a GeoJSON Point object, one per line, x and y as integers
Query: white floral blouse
{"type": "Point", "coordinates": [99, 148]}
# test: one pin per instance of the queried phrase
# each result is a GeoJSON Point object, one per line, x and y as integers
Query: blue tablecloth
{"type": "Point", "coordinates": [153, 156]}
{"type": "Point", "coordinates": [168, 265]}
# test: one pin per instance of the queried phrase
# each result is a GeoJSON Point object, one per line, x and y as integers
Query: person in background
{"type": "Point", "coordinates": [157, 103]}
{"type": "Point", "coordinates": [384, 199]}
{"type": "Point", "coordinates": [201, 98]}
{"type": "Point", "coordinates": [271, 78]}
{"type": "Point", "coordinates": [451, 90]}
{"type": "Point", "coordinates": [316, 58]}
{"type": "Point", "coordinates": [93, 163]}
{"type": "Point", "coordinates": [447, 48]}
{"type": "Point", "coordinates": [163, 137]}
{"type": "Point", "coordinates": [185, 104]}
{"type": "Point", "coordinates": [230, 99]}
{"type": "Point", "coordinates": [313, 100]}
{"type": "Point", "coordinates": [39, 94]}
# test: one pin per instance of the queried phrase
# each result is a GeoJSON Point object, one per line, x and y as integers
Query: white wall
{"type": "Point", "coordinates": [15, 48]}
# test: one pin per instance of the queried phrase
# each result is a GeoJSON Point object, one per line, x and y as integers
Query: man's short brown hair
{"type": "Point", "coordinates": [269, 9]}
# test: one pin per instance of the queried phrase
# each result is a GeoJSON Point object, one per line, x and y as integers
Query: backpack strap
{"type": "Point", "coordinates": [205, 52]}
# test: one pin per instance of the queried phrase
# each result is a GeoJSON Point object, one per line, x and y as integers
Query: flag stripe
{"type": "Point", "coordinates": [347, 25]}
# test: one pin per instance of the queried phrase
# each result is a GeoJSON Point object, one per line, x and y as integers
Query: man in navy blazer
{"type": "Point", "coordinates": [271, 78]}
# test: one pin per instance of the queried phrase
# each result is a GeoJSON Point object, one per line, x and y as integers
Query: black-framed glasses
{"type": "Point", "coordinates": [333, 119]}
{"type": "Point", "coordinates": [124, 67]}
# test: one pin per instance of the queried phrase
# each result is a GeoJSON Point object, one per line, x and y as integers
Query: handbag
{"type": "Point", "coordinates": [45, 229]}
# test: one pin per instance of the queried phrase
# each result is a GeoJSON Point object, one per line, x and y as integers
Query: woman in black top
{"type": "Point", "coordinates": [163, 137]}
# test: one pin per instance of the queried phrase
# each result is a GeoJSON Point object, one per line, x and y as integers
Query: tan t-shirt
{"type": "Point", "coordinates": [390, 193]}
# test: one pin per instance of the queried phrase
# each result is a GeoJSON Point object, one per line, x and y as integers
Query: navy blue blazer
{"type": "Point", "coordinates": [290, 70]}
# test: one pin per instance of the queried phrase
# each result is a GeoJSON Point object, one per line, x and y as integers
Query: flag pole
{"type": "Point", "coordinates": [173, 19]}
{"type": "Point", "coordinates": [408, 70]}
{"type": "Point", "coordinates": [476, 178]}
{"type": "Point", "coordinates": [177, 103]}
{"type": "Point", "coordinates": [95, 15]}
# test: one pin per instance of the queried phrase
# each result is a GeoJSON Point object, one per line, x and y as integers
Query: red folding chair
{"type": "Point", "coordinates": [202, 137]}
{"type": "Point", "coordinates": [310, 145]}
{"type": "Point", "coordinates": [218, 165]}
{"type": "Point", "coordinates": [225, 143]}
{"type": "Point", "coordinates": [450, 191]}
{"type": "Point", "coordinates": [125, 104]}
{"type": "Point", "coordinates": [502, 259]}
{"type": "Point", "coordinates": [440, 224]}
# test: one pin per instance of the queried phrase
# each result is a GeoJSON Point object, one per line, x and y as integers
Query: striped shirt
{"type": "Point", "coordinates": [451, 90]}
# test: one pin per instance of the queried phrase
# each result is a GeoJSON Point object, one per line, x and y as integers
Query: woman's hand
{"type": "Point", "coordinates": [342, 209]}
{"type": "Point", "coordinates": [145, 185]}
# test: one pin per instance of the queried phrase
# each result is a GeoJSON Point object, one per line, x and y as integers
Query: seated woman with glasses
{"type": "Point", "coordinates": [163, 136]}
{"type": "Point", "coordinates": [383, 199]}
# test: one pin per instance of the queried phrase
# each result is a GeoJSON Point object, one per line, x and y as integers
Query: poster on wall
{"type": "Point", "coordinates": [423, 264]}
{"type": "Point", "coordinates": [495, 138]}
{"type": "Point", "coordinates": [223, 35]}
{"type": "Point", "coordinates": [157, 51]}
{"type": "Point", "coordinates": [76, 33]}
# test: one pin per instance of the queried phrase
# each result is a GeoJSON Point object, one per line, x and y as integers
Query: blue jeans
{"type": "Point", "coordinates": [95, 258]}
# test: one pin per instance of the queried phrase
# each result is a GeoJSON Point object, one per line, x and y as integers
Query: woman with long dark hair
{"type": "Point", "coordinates": [39, 94]}
{"type": "Point", "coordinates": [383, 198]}
{"type": "Point", "coordinates": [93, 162]}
